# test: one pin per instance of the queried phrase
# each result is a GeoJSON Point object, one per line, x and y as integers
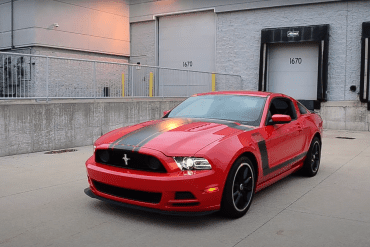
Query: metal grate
{"type": "Point", "coordinates": [129, 160]}
{"type": "Point", "coordinates": [183, 195]}
{"type": "Point", "coordinates": [61, 151]}
{"type": "Point", "coordinates": [142, 196]}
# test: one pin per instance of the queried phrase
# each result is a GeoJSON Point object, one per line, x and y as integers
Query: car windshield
{"type": "Point", "coordinates": [238, 108]}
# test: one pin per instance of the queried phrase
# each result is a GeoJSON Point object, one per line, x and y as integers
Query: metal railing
{"type": "Point", "coordinates": [35, 76]}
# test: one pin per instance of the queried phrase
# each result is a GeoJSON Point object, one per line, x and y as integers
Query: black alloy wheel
{"type": "Point", "coordinates": [239, 189]}
{"type": "Point", "coordinates": [312, 161]}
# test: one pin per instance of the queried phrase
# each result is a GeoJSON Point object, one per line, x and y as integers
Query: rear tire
{"type": "Point", "coordinates": [239, 189]}
{"type": "Point", "coordinates": [312, 162]}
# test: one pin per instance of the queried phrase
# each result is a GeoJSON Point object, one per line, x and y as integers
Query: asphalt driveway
{"type": "Point", "coordinates": [42, 203]}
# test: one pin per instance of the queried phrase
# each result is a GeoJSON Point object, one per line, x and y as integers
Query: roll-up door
{"type": "Point", "coordinates": [294, 61]}
{"type": "Point", "coordinates": [293, 70]}
{"type": "Point", "coordinates": [186, 41]}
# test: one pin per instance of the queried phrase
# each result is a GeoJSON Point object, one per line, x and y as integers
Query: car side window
{"type": "Point", "coordinates": [302, 109]}
{"type": "Point", "coordinates": [281, 106]}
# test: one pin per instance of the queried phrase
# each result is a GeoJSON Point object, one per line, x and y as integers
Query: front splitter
{"type": "Point", "coordinates": [152, 210]}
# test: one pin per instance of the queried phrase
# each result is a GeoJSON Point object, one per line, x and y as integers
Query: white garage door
{"type": "Point", "coordinates": [293, 70]}
{"type": "Point", "coordinates": [186, 41]}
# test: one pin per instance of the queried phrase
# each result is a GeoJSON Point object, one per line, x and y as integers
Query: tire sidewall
{"type": "Point", "coordinates": [307, 164]}
{"type": "Point", "coordinates": [227, 204]}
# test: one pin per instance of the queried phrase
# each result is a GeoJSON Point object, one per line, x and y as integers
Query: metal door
{"type": "Point", "coordinates": [293, 70]}
{"type": "Point", "coordinates": [186, 41]}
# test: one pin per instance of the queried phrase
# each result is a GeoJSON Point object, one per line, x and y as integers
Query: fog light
{"type": "Point", "coordinates": [104, 156]}
{"type": "Point", "coordinates": [154, 164]}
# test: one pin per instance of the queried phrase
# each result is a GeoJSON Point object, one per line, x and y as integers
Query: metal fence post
{"type": "Point", "coordinates": [47, 79]}
{"type": "Point", "coordinates": [123, 84]}
{"type": "Point", "coordinates": [213, 82]}
{"type": "Point", "coordinates": [187, 83]}
{"type": "Point", "coordinates": [162, 87]}
{"type": "Point", "coordinates": [151, 84]}
{"type": "Point", "coordinates": [94, 78]}
{"type": "Point", "coordinates": [132, 81]}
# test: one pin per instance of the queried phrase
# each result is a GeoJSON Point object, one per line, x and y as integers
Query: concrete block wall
{"type": "Point", "coordinates": [345, 115]}
{"type": "Point", "coordinates": [238, 40]}
{"type": "Point", "coordinates": [239, 36]}
{"type": "Point", "coordinates": [29, 126]}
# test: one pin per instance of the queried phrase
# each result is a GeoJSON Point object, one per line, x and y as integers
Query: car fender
{"type": "Point", "coordinates": [228, 150]}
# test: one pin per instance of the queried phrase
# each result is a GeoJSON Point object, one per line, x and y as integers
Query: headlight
{"type": "Point", "coordinates": [94, 148]}
{"type": "Point", "coordinates": [192, 163]}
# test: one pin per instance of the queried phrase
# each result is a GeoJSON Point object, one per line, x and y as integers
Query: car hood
{"type": "Point", "coordinates": [172, 136]}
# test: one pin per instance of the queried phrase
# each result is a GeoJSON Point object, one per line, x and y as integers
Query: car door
{"type": "Point", "coordinates": [283, 142]}
{"type": "Point", "coordinates": [306, 123]}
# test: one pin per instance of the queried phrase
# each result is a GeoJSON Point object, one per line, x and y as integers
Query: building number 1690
{"type": "Point", "coordinates": [295, 60]}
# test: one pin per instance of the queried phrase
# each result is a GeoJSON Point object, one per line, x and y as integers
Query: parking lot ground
{"type": "Point", "coordinates": [42, 203]}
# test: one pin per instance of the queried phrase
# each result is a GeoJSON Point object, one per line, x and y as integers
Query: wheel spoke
{"type": "Point", "coordinates": [235, 194]}
{"type": "Point", "coordinates": [245, 174]}
{"type": "Point", "coordinates": [245, 195]}
{"type": "Point", "coordinates": [238, 199]}
{"type": "Point", "coordinates": [245, 183]}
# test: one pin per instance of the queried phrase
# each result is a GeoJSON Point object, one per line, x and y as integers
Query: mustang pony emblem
{"type": "Point", "coordinates": [126, 159]}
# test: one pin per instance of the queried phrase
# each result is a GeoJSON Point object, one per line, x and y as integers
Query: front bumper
{"type": "Point", "coordinates": [152, 210]}
{"type": "Point", "coordinates": [165, 184]}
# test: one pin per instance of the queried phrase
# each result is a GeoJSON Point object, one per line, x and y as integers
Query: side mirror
{"type": "Point", "coordinates": [166, 112]}
{"type": "Point", "coordinates": [281, 119]}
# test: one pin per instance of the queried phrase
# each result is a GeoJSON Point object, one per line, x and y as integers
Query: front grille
{"type": "Point", "coordinates": [129, 160]}
{"type": "Point", "coordinates": [136, 195]}
{"type": "Point", "coordinates": [183, 195]}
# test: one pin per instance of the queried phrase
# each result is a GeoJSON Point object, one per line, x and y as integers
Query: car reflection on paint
{"type": "Point", "coordinates": [212, 152]}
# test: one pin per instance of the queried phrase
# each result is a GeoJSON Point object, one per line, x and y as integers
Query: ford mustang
{"type": "Point", "coordinates": [212, 152]}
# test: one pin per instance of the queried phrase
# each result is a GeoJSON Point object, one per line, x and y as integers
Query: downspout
{"type": "Point", "coordinates": [12, 24]}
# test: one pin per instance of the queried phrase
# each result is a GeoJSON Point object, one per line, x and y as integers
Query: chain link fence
{"type": "Point", "coordinates": [34, 76]}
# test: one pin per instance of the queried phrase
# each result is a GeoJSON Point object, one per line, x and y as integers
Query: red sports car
{"type": "Point", "coordinates": [212, 152]}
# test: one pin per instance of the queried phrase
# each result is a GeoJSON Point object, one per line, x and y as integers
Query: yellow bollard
{"type": "Point", "coordinates": [213, 82]}
{"type": "Point", "coordinates": [123, 85]}
{"type": "Point", "coordinates": [151, 84]}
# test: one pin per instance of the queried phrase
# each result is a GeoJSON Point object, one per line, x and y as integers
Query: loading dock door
{"type": "Point", "coordinates": [186, 41]}
{"type": "Point", "coordinates": [293, 70]}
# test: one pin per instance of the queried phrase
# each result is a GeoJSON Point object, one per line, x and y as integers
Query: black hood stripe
{"type": "Point", "coordinates": [138, 138]}
{"type": "Point", "coordinates": [141, 136]}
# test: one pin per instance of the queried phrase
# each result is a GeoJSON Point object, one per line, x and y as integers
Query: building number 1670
{"type": "Point", "coordinates": [295, 60]}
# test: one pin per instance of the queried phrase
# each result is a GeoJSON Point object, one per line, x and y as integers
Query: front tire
{"type": "Point", "coordinates": [312, 162]}
{"type": "Point", "coordinates": [239, 189]}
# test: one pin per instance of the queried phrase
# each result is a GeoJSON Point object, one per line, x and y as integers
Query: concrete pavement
{"type": "Point", "coordinates": [42, 203]}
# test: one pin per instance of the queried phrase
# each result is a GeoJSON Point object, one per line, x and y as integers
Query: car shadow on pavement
{"type": "Point", "coordinates": [128, 214]}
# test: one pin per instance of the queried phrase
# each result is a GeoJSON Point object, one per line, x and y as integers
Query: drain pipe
{"type": "Point", "coordinates": [12, 24]}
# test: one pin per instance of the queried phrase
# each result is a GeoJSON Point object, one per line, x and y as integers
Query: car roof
{"type": "Point", "coordinates": [249, 93]}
